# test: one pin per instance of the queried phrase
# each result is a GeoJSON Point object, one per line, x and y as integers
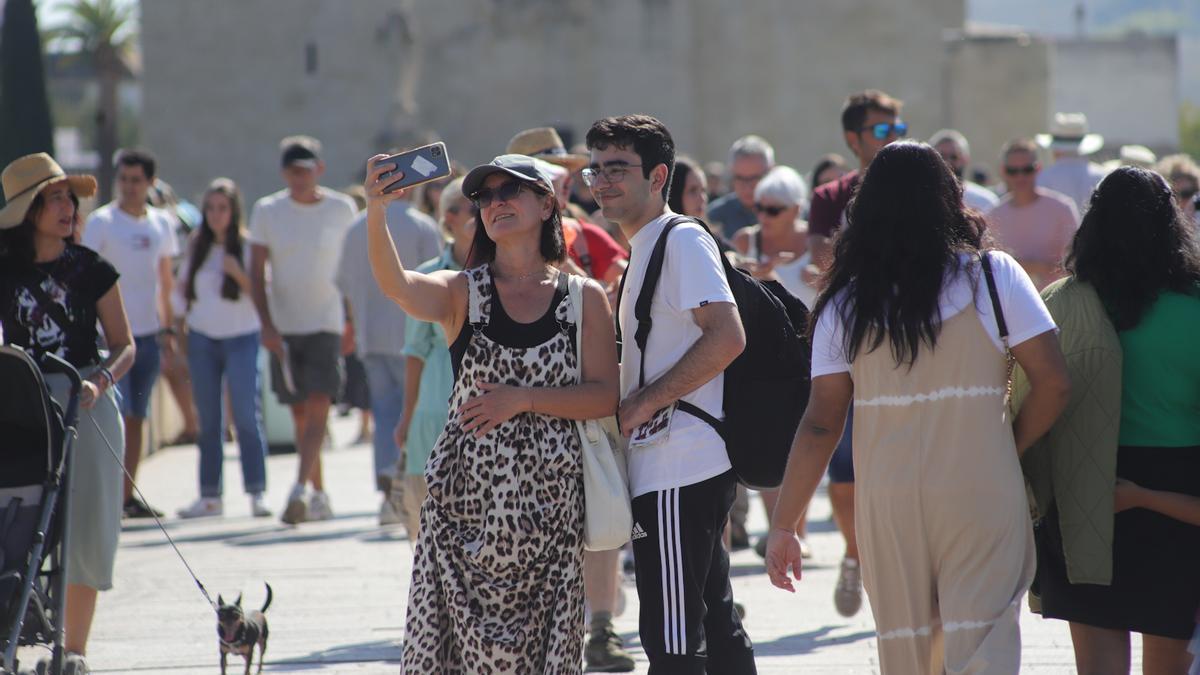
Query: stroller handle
{"type": "Point", "coordinates": [52, 363]}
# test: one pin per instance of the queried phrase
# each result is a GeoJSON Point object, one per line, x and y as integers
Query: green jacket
{"type": "Point", "coordinates": [1075, 465]}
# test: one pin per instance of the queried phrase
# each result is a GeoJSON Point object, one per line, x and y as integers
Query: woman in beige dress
{"type": "Point", "coordinates": [907, 328]}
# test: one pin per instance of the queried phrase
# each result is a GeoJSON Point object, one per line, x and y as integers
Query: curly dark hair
{"type": "Point", "coordinates": [1134, 243]}
{"type": "Point", "coordinates": [551, 244]}
{"type": "Point", "coordinates": [644, 135]}
{"type": "Point", "coordinates": [906, 228]}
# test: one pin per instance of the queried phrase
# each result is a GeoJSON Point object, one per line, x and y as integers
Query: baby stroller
{"type": "Point", "coordinates": [35, 444]}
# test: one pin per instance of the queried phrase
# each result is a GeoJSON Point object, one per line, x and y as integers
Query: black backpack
{"type": "Point", "coordinates": [767, 386]}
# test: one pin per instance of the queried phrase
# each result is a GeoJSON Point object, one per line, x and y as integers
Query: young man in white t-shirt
{"type": "Point", "coordinates": [139, 240]}
{"type": "Point", "coordinates": [299, 231]}
{"type": "Point", "coordinates": [682, 487]}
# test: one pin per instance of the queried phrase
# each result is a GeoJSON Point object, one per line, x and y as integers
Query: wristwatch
{"type": "Point", "coordinates": [166, 331]}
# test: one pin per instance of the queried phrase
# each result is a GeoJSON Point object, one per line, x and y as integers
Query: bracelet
{"type": "Point", "coordinates": [108, 376]}
{"type": "Point", "coordinates": [166, 331]}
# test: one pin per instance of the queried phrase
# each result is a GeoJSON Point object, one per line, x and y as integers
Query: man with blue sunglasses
{"type": "Point", "coordinates": [870, 120]}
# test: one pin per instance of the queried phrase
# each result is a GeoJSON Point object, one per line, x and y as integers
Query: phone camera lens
{"type": "Point", "coordinates": [435, 152]}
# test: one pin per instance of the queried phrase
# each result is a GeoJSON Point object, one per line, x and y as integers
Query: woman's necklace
{"type": "Point", "coordinates": [527, 275]}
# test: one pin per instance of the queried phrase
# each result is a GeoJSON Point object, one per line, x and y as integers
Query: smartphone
{"type": "Point", "coordinates": [654, 432]}
{"type": "Point", "coordinates": [419, 165]}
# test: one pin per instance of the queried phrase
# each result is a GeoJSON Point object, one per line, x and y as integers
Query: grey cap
{"type": "Point", "coordinates": [522, 167]}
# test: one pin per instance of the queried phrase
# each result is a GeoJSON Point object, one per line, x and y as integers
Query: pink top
{"type": "Point", "coordinates": [1038, 232]}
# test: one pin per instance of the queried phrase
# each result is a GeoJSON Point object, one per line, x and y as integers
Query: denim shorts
{"type": "Point", "coordinates": [137, 385]}
{"type": "Point", "coordinates": [841, 465]}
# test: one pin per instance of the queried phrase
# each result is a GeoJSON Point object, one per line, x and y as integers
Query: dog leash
{"type": "Point", "coordinates": [121, 463]}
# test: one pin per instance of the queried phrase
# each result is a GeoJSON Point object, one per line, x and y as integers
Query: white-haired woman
{"type": "Point", "coordinates": [778, 243]}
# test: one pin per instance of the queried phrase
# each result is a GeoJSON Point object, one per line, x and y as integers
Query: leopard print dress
{"type": "Point", "coordinates": [497, 584]}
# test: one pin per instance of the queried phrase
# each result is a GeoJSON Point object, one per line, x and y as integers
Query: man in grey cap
{"type": "Point", "coordinates": [298, 231]}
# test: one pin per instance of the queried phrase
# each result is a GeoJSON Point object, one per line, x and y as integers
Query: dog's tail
{"type": "Point", "coordinates": [269, 596]}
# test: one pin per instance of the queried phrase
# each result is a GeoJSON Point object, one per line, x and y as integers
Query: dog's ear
{"type": "Point", "coordinates": [238, 602]}
{"type": "Point", "coordinates": [220, 600]}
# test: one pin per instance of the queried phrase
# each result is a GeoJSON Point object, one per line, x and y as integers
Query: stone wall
{"type": "Point", "coordinates": [224, 81]}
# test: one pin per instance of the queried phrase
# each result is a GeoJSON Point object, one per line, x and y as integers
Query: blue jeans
{"type": "Point", "coordinates": [385, 379]}
{"type": "Point", "coordinates": [235, 360]}
{"type": "Point", "coordinates": [137, 385]}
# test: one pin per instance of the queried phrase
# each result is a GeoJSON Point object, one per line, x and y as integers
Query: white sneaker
{"type": "Point", "coordinates": [258, 508]}
{"type": "Point", "coordinates": [391, 511]}
{"type": "Point", "coordinates": [203, 508]}
{"type": "Point", "coordinates": [318, 506]}
{"type": "Point", "coordinates": [296, 510]}
{"type": "Point", "coordinates": [847, 597]}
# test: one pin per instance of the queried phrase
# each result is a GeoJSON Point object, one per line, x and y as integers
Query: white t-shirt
{"type": "Point", "coordinates": [692, 276]}
{"type": "Point", "coordinates": [1024, 311]}
{"type": "Point", "coordinates": [134, 246]}
{"type": "Point", "coordinates": [304, 243]}
{"type": "Point", "coordinates": [978, 197]}
{"type": "Point", "coordinates": [211, 314]}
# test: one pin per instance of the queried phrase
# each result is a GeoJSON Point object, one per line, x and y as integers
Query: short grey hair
{"type": "Point", "coordinates": [450, 194]}
{"type": "Point", "coordinates": [954, 136]}
{"type": "Point", "coordinates": [752, 146]}
{"type": "Point", "coordinates": [785, 185]}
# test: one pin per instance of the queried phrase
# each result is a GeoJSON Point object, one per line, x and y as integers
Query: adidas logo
{"type": "Point", "coordinates": [638, 532]}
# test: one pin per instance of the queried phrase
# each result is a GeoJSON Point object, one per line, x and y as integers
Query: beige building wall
{"type": "Point", "coordinates": [998, 89]}
{"type": "Point", "coordinates": [226, 79]}
{"type": "Point", "coordinates": [1128, 87]}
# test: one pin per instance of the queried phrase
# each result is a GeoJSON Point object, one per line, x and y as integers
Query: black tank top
{"type": "Point", "coordinates": [502, 329]}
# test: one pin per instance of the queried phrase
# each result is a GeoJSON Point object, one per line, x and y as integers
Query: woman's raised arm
{"type": "Point", "coordinates": [438, 297]}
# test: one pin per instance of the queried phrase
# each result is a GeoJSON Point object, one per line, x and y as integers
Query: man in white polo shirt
{"type": "Point", "coordinates": [139, 240]}
{"type": "Point", "coordinates": [298, 232]}
{"type": "Point", "coordinates": [682, 486]}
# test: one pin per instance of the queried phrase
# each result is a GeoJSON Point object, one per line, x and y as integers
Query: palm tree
{"type": "Point", "coordinates": [105, 32]}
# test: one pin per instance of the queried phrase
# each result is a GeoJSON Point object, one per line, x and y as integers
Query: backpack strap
{"type": "Point", "coordinates": [986, 263]}
{"type": "Point", "coordinates": [645, 299]}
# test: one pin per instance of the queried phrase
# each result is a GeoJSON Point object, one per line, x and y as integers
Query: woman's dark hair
{"type": "Point", "coordinates": [17, 243]}
{"type": "Point", "coordinates": [203, 239]}
{"type": "Point", "coordinates": [904, 232]}
{"type": "Point", "coordinates": [551, 243]}
{"type": "Point", "coordinates": [824, 164]}
{"type": "Point", "coordinates": [1133, 244]}
{"type": "Point", "coordinates": [684, 167]}
{"type": "Point", "coordinates": [644, 135]}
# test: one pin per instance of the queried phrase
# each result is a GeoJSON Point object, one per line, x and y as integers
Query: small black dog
{"type": "Point", "coordinates": [239, 631]}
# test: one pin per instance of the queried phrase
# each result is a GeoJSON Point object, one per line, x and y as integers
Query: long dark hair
{"type": "Point", "coordinates": [203, 239]}
{"type": "Point", "coordinates": [905, 230]}
{"type": "Point", "coordinates": [684, 167]}
{"type": "Point", "coordinates": [16, 243]}
{"type": "Point", "coordinates": [1133, 244]}
{"type": "Point", "coordinates": [551, 244]}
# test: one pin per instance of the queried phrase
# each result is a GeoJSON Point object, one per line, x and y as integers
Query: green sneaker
{"type": "Point", "coordinates": [604, 652]}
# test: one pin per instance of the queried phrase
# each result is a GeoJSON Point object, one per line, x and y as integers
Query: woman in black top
{"type": "Point", "coordinates": [52, 292]}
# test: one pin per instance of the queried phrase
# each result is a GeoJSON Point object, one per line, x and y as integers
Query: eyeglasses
{"type": "Point", "coordinates": [1188, 194]}
{"type": "Point", "coordinates": [951, 158]}
{"type": "Point", "coordinates": [1027, 170]}
{"type": "Point", "coordinates": [770, 209]}
{"type": "Point", "coordinates": [885, 129]}
{"type": "Point", "coordinates": [458, 208]}
{"type": "Point", "coordinates": [506, 191]}
{"type": "Point", "coordinates": [748, 179]}
{"type": "Point", "coordinates": [611, 173]}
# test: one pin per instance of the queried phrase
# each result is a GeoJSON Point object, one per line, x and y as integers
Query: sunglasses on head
{"type": "Point", "coordinates": [1027, 170]}
{"type": "Point", "coordinates": [884, 129]}
{"type": "Point", "coordinates": [770, 209]}
{"type": "Point", "coordinates": [506, 191]}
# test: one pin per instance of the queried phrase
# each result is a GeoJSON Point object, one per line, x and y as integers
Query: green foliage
{"type": "Point", "coordinates": [92, 26]}
{"type": "Point", "coordinates": [25, 122]}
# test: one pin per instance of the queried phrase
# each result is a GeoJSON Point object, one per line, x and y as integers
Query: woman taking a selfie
{"type": "Point", "coordinates": [497, 576]}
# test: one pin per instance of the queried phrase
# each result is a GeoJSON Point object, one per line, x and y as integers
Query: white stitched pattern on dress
{"type": "Point", "coordinates": [948, 627]}
{"type": "Point", "coordinates": [940, 394]}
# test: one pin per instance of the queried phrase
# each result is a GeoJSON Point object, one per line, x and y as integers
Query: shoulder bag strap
{"type": "Point", "coordinates": [985, 262]}
{"type": "Point", "coordinates": [47, 304]}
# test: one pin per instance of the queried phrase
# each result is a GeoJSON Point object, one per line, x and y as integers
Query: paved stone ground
{"type": "Point", "coordinates": [340, 586]}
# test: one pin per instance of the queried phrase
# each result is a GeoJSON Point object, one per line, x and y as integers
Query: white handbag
{"type": "Point", "coordinates": [608, 514]}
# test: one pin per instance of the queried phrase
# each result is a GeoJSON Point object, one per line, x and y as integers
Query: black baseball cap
{"type": "Point", "coordinates": [302, 151]}
{"type": "Point", "coordinates": [522, 167]}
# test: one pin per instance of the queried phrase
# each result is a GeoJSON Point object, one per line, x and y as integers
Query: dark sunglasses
{"type": "Point", "coordinates": [884, 129]}
{"type": "Point", "coordinates": [770, 210]}
{"type": "Point", "coordinates": [1027, 170]}
{"type": "Point", "coordinates": [1188, 194]}
{"type": "Point", "coordinates": [506, 191]}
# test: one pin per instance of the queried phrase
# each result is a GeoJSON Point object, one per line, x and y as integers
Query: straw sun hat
{"type": "Point", "coordinates": [26, 176]}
